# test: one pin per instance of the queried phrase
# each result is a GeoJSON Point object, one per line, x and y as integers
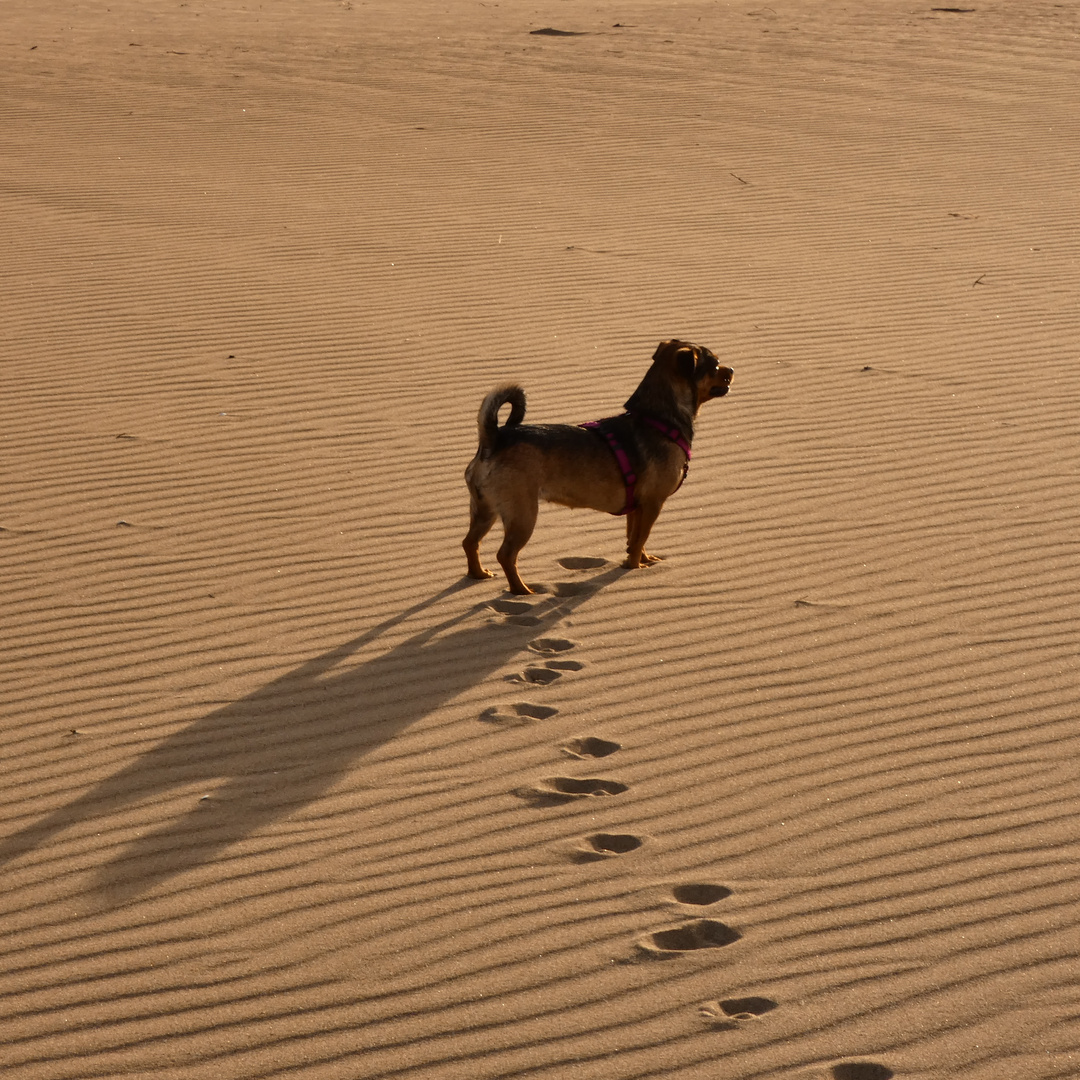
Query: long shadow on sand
{"type": "Point", "coordinates": [290, 741]}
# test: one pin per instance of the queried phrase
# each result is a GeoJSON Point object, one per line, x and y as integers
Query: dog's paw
{"type": "Point", "coordinates": [645, 560]}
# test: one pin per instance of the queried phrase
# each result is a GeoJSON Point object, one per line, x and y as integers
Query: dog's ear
{"type": "Point", "coordinates": [665, 347]}
{"type": "Point", "coordinates": [680, 357]}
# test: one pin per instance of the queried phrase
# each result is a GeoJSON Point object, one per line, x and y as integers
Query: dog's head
{"type": "Point", "coordinates": [697, 365]}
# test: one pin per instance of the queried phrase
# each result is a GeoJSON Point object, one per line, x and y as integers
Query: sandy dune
{"type": "Point", "coordinates": [285, 795]}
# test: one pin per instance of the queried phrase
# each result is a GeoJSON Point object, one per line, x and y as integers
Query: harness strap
{"type": "Point", "coordinates": [623, 460]}
{"type": "Point", "coordinates": [672, 432]}
{"type": "Point", "coordinates": [677, 437]}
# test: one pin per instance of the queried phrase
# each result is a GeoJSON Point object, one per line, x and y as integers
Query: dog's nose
{"type": "Point", "coordinates": [726, 373]}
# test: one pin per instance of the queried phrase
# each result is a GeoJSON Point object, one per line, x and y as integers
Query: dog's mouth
{"type": "Point", "coordinates": [721, 388]}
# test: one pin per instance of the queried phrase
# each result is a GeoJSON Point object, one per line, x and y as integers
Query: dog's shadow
{"type": "Point", "coordinates": [283, 746]}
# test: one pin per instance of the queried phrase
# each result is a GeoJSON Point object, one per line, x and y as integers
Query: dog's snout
{"type": "Point", "coordinates": [723, 381]}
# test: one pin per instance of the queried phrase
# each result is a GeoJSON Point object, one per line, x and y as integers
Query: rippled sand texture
{"type": "Point", "coordinates": [284, 795]}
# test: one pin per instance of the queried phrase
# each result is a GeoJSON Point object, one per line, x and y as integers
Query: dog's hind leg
{"type": "Point", "coordinates": [481, 518]}
{"type": "Point", "coordinates": [639, 523]}
{"type": "Point", "coordinates": [516, 532]}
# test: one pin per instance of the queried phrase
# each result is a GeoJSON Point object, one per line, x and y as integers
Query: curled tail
{"type": "Point", "coordinates": [488, 418]}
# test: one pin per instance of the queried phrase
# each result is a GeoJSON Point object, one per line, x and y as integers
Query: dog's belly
{"type": "Point", "coordinates": [586, 496]}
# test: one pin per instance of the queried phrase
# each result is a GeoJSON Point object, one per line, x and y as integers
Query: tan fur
{"type": "Point", "coordinates": [517, 465]}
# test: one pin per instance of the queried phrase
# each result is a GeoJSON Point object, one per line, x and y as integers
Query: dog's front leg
{"type": "Point", "coordinates": [639, 523]}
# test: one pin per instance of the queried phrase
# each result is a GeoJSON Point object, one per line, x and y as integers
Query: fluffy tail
{"type": "Point", "coordinates": [488, 418]}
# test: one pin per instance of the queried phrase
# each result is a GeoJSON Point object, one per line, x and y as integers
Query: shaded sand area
{"type": "Point", "coordinates": [285, 796]}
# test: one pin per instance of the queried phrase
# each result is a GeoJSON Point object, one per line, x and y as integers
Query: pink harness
{"type": "Point", "coordinates": [623, 459]}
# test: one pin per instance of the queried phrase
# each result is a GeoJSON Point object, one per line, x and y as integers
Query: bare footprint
{"type": "Point", "coordinates": [605, 846]}
{"type": "Point", "coordinates": [861, 1070]}
{"type": "Point", "coordinates": [520, 712]}
{"type": "Point", "coordinates": [588, 746]}
{"type": "Point", "coordinates": [559, 789]}
{"type": "Point", "coordinates": [699, 894]}
{"type": "Point", "coordinates": [689, 937]}
{"type": "Point", "coordinates": [581, 562]}
{"type": "Point", "coordinates": [551, 646]}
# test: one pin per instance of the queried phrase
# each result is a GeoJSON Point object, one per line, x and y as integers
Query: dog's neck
{"type": "Point", "coordinates": [656, 397]}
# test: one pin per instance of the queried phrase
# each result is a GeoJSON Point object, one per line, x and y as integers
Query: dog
{"type": "Point", "coordinates": [626, 464]}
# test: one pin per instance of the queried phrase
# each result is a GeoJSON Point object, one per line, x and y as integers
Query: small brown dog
{"type": "Point", "coordinates": [626, 464]}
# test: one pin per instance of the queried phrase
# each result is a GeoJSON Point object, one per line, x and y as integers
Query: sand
{"type": "Point", "coordinates": [285, 795]}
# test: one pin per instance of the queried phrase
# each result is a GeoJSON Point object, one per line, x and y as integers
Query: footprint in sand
{"type": "Point", "coordinates": [573, 588]}
{"type": "Point", "coordinates": [590, 747]}
{"type": "Point", "coordinates": [552, 669]}
{"type": "Point", "coordinates": [537, 676]}
{"type": "Point", "coordinates": [564, 665]}
{"type": "Point", "coordinates": [605, 846]}
{"type": "Point", "coordinates": [551, 646]}
{"type": "Point", "coordinates": [731, 1013]}
{"type": "Point", "coordinates": [582, 562]}
{"type": "Point", "coordinates": [520, 712]}
{"type": "Point", "coordinates": [560, 789]}
{"type": "Point", "coordinates": [699, 894]}
{"type": "Point", "coordinates": [550, 31]}
{"type": "Point", "coordinates": [515, 612]}
{"type": "Point", "coordinates": [689, 937]}
{"type": "Point", "coordinates": [861, 1070]}
{"type": "Point", "coordinates": [510, 607]}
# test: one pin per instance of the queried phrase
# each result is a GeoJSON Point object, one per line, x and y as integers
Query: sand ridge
{"type": "Point", "coordinates": [285, 795]}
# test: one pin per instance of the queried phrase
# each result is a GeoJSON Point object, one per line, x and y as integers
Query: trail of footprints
{"type": "Point", "coordinates": [687, 936]}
